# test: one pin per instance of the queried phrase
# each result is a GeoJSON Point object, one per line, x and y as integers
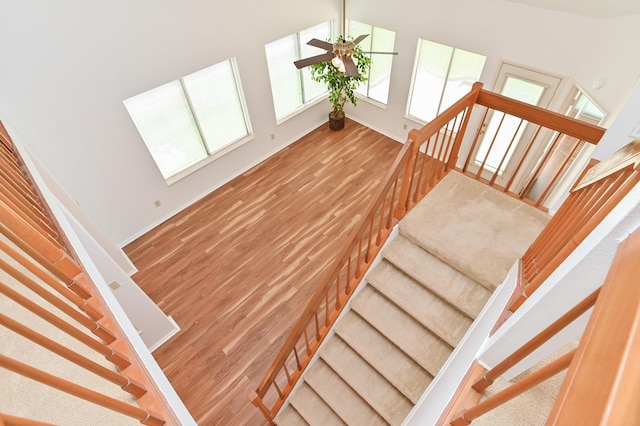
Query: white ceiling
{"type": "Point", "coordinates": [594, 8]}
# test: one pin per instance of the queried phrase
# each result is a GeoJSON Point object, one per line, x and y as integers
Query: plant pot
{"type": "Point", "coordinates": [336, 120]}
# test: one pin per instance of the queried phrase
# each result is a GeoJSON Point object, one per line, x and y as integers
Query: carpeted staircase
{"type": "Point", "coordinates": [454, 248]}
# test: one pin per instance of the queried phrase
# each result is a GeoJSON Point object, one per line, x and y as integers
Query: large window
{"type": "Point", "coordinates": [190, 121]}
{"type": "Point", "coordinates": [379, 40]}
{"type": "Point", "coordinates": [442, 75]}
{"type": "Point", "coordinates": [293, 88]}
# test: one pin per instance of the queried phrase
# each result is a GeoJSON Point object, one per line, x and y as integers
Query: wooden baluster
{"type": "Point", "coordinates": [541, 164]}
{"type": "Point", "coordinates": [131, 386]}
{"type": "Point", "coordinates": [120, 360]}
{"type": "Point", "coordinates": [367, 255]}
{"type": "Point", "coordinates": [94, 327]}
{"type": "Point", "coordinates": [601, 386]}
{"type": "Point", "coordinates": [326, 309]}
{"type": "Point", "coordinates": [447, 152]}
{"type": "Point", "coordinates": [467, 416]}
{"type": "Point", "coordinates": [480, 131]}
{"type": "Point", "coordinates": [521, 161]}
{"type": "Point", "coordinates": [595, 216]}
{"type": "Point", "coordinates": [486, 157]}
{"type": "Point", "coordinates": [431, 165]}
{"type": "Point", "coordinates": [560, 172]}
{"type": "Point", "coordinates": [295, 354]}
{"type": "Point", "coordinates": [7, 420]}
{"type": "Point", "coordinates": [315, 315]}
{"type": "Point", "coordinates": [422, 173]}
{"type": "Point", "coordinates": [51, 251]}
{"type": "Point", "coordinates": [144, 416]}
{"type": "Point", "coordinates": [497, 172]}
{"type": "Point", "coordinates": [306, 342]}
{"type": "Point", "coordinates": [380, 223]}
{"type": "Point", "coordinates": [407, 177]}
{"type": "Point", "coordinates": [72, 284]}
{"type": "Point", "coordinates": [470, 101]}
{"type": "Point", "coordinates": [536, 341]}
{"type": "Point", "coordinates": [81, 303]}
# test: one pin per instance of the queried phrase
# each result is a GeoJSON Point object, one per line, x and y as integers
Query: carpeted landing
{"type": "Point", "coordinates": [454, 248]}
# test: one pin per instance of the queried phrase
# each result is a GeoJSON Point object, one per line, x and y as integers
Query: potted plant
{"type": "Point", "coordinates": [341, 86]}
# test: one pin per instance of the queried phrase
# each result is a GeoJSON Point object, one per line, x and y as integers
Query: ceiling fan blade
{"type": "Point", "coordinates": [321, 44]}
{"type": "Point", "coordinates": [349, 67]}
{"type": "Point", "coordinates": [360, 38]}
{"type": "Point", "coordinates": [313, 60]}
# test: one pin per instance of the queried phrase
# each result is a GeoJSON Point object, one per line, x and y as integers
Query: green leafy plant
{"type": "Point", "coordinates": [340, 85]}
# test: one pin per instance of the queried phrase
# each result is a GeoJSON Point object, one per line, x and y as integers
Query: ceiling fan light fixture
{"type": "Point", "coordinates": [337, 62]}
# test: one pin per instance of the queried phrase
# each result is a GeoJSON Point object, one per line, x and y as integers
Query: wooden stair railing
{"type": "Point", "coordinates": [543, 137]}
{"type": "Point", "coordinates": [57, 290]}
{"type": "Point", "coordinates": [591, 199]}
{"type": "Point", "coordinates": [601, 385]}
{"type": "Point", "coordinates": [426, 157]}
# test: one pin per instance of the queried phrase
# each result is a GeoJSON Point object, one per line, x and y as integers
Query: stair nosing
{"type": "Point", "coordinates": [380, 290]}
{"type": "Point", "coordinates": [405, 392]}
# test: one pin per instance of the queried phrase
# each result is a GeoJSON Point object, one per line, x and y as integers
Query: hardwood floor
{"type": "Point", "coordinates": [236, 268]}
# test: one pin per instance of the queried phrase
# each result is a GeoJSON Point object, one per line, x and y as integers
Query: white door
{"type": "Point", "coordinates": [504, 137]}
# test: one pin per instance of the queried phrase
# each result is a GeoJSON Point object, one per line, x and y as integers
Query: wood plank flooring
{"type": "Point", "coordinates": [236, 268]}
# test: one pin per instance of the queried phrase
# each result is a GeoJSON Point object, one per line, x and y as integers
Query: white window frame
{"type": "Point", "coordinates": [371, 38]}
{"type": "Point", "coordinates": [447, 81]}
{"type": "Point", "coordinates": [300, 40]}
{"type": "Point", "coordinates": [211, 154]}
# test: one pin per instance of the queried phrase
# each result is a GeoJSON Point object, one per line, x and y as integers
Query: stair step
{"type": "Point", "coordinates": [290, 417]}
{"type": "Point", "coordinates": [459, 290]}
{"type": "Point", "coordinates": [341, 397]}
{"type": "Point", "coordinates": [433, 312]}
{"type": "Point", "coordinates": [312, 408]}
{"type": "Point", "coordinates": [397, 367]}
{"type": "Point", "coordinates": [408, 334]}
{"type": "Point", "coordinates": [388, 402]}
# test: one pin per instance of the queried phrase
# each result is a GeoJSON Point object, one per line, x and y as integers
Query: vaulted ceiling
{"type": "Point", "coordinates": [593, 8]}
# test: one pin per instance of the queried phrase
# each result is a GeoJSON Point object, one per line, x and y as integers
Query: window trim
{"type": "Point", "coordinates": [211, 155]}
{"type": "Point", "coordinates": [407, 113]}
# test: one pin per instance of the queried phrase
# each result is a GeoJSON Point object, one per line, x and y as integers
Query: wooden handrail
{"type": "Point", "coordinates": [533, 379]}
{"type": "Point", "coordinates": [58, 278]}
{"type": "Point", "coordinates": [7, 420]}
{"type": "Point", "coordinates": [549, 119]}
{"type": "Point", "coordinates": [627, 155]}
{"type": "Point", "coordinates": [426, 157]}
{"type": "Point", "coordinates": [415, 182]}
{"type": "Point", "coordinates": [23, 369]}
{"type": "Point", "coordinates": [533, 344]}
{"type": "Point", "coordinates": [602, 383]}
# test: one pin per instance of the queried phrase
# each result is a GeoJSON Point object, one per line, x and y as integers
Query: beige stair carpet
{"type": "Point", "coordinates": [454, 248]}
{"type": "Point", "coordinates": [474, 228]}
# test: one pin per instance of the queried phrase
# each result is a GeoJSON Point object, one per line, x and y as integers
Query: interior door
{"type": "Point", "coordinates": [504, 138]}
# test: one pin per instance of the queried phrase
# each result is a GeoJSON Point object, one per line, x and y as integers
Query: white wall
{"type": "Point", "coordinates": [67, 66]}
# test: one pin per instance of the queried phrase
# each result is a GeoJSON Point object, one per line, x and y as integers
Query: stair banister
{"type": "Point", "coordinates": [58, 284]}
{"type": "Point", "coordinates": [601, 385]}
{"type": "Point", "coordinates": [428, 154]}
{"type": "Point", "coordinates": [388, 206]}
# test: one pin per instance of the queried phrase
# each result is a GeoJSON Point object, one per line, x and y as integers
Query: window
{"type": "Point", "coordinates": [442, 75]}
{"type": "Point", "coordinates": [190, 121]}
{"type": "Point", "coordinates": [379, 40]}
{"type": "Point", "coordinates": [293, 88]}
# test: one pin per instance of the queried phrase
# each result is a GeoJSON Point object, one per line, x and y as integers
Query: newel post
{"type": "Point", "coordinates": [407, 178]}
{"type": "Point", "coordinates": [457, 143]}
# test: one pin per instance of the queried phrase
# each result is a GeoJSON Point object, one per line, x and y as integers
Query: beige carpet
{"type": "Point", "coordinates": [530, 408]}
{"type": "Point", "coordinates": [474, 228]}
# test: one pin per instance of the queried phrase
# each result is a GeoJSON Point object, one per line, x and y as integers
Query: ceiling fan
{"type": "Point", "coordinates": [339, 53]}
